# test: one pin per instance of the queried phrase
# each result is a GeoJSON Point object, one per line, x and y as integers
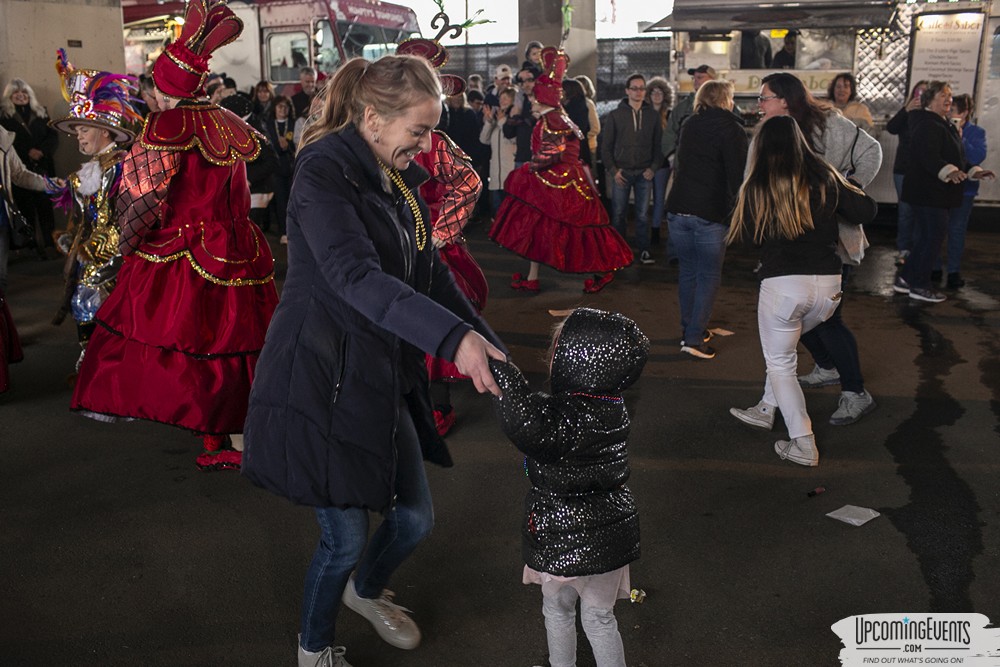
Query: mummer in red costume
{"type": "Point", "coordinates": [451, 195]}
{"type": "Point", "coordinates": [552, 213]}
{"type": "Point", "coordinates": [179, 336]}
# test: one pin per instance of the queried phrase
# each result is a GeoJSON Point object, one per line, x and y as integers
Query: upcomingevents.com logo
{"type": "Point", "coordinates": [921, 639]}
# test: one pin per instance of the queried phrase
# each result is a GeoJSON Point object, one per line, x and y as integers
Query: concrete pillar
{"type": "Point", "coordinates": [541, 20]}
{"type": "Point", "coordinates": [30, 33]}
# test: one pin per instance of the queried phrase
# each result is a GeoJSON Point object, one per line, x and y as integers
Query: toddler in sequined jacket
{"type": "Point", "coordinates": [581, 526]}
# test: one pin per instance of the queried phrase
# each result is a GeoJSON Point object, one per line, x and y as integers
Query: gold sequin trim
{"type": "Point", "coordinates": [238, 282]}
{"type": "Point", "coordinates": [583, 193]}
{"type": "Point", "coordinates": [256, 241]}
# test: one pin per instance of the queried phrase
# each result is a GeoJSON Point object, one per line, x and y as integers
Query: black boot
{"type": "Point", "coordinates": [654, 237]}
{"type": "Point", "coordinates": [955, 280]}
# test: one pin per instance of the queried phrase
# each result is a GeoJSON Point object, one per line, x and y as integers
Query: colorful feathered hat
{"type": "Point", "coordinates": [548, 87]}
{"type": "Point", "coordinates": [181, 69]}
{"type": "Point", "coordinates": [97, 99]}
{"type": "Point", "coordinates": [435, 53]}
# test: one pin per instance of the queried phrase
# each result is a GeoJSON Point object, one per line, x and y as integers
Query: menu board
{"type": "Point", "coordinates": [946, 48]}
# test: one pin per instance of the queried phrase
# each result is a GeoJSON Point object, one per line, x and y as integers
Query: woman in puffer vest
{"type": "Point", "coordinates": [581, 525]}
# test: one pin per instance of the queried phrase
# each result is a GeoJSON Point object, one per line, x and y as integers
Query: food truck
{"type": "Point", "coordinates": [887, 44]}
{"type": "Point", "coordinates": [279, 36]}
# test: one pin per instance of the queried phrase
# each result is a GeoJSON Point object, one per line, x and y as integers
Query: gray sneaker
{"type": "Point", "coordinates": [820, 377]}
{"type": "Point", "coordinates": [801, 450]}
{"type": "Point", "coordinates": [389, 619]}
{"type": "Point", "coordinates": [331, 656]}
{"type": "Point", "coordinates": [758, 416]}
{"type": "Point", "coordinates": [928, 295]}
{"type": "Point", "coordinates": [853, 406]}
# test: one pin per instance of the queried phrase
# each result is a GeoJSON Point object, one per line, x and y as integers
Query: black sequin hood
{"type": "Point", "coordinates": [580, 517]}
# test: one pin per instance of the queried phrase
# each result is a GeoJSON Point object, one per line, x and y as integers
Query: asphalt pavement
{"type": "Point", "coordinates": [116, 551]}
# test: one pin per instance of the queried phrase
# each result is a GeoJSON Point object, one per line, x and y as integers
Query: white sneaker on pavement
{"type": "Point", "coordinates": [331, 656]}
{"type": "Point", "coordinates": [758, 416]}
{"type": "Point", "coordinates": [852, 407]}
{"type": "Point", "coordinates": [820, 377]}
{"type": "Point", "coordinates": [801, 450]}
{"type": "Point", "coordinates": [389, 619]}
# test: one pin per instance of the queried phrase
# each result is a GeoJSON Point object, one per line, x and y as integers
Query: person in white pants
{"type": "Point", "coordinates": [790, 204]}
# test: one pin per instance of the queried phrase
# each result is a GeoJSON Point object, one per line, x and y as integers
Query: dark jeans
{"type": "Point", "coordinates": [832, 345]}
{"type": "Point", "coordinates": [958, 223]}
{"type": "Point", "coordinates": [344, 542]}
{"type": "Point", "coordinates": [929, 226]}
{"type": "Point", "coordinates": [701, 247]}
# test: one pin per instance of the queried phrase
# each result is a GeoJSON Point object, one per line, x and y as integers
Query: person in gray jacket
{"type": "Point", "coordinates": [12, 171]}
{"type": "Point", "coordinates": [630, 148]}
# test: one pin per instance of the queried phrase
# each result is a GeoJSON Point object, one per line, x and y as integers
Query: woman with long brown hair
{"type": "Point", "coordinates": [788, 206]}
{"type": "Point", "coordinates": [335, 417]}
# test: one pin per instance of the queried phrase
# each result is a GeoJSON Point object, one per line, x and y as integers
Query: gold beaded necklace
{"type": "Point", "coordinates": [411, 199]}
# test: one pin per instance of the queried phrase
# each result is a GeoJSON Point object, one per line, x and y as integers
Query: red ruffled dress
{"type": "Point", "coordinates": [552, 213]}
{"type": "Point", "coordinates": [451, 195]}
{"type": "Point", "coordinates": [179, 336]}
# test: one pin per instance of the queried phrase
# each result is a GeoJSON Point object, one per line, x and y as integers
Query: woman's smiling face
{"type": "Point", "coordinates": [402, 137]}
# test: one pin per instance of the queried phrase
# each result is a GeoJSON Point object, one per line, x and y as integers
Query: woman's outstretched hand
{"type": "Point", "coordinates": [472, 359]}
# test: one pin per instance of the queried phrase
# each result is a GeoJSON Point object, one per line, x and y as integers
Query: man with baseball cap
{"type": "Point", "coordinates": [685, 108]}
{"type": "Point", "coordinates": [503, 76]}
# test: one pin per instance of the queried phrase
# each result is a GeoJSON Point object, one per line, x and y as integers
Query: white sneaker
{"type": "Point", "coordinates": [852, 407]}
{"type": "Point", "coordinates": [389, 619]}
{"type": "Point", "coordinates": [758, 416]}
{"type": "Point", "coordinates": [331, 656]}
{"type": "Point", "coordinates": [820, 377]}
{"type": "Point", "coordinates": [801, 450]}
{"type": "Point", "coordinates": [646, 258]}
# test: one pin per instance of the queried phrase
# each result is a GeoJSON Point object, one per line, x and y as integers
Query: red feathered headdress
{"type": "Point", "coordinates": [548, 87]}
{"type": "Point", "coordinates": [181, 69]}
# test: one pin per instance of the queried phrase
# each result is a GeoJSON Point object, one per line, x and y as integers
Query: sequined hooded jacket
{"type": "Point", "coordinates": [579, 516]}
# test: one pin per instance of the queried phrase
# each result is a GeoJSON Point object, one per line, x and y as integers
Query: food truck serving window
{"type": "Point", "coordinates": [287, 52]}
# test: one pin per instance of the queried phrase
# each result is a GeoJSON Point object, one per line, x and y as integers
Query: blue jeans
{"type": "Point", "coordinates": [832, 345]}
{"type": "Point", "coordinates": [958, 223]}
{"type": "Point", "coordinates": [929, 226]}
{"type": "Point", "coordinates": [701, 247]}
{"type": "Point", "coordinates": [634, 180]}
{"type": "Point", "coordinates": [344, 544]}
{"type": "Point", "coordinates": [904, 222]}
{"type": "Point", "coordinates": [660, 180]}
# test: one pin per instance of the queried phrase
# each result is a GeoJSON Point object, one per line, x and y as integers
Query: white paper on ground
{"type": "Point", "coordinates": [854, 515]}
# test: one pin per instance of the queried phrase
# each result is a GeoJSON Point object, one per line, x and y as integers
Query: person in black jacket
{"type": "Point", "coordinates": [899, 126]}
{"type": "Point", "coordinates": [708, 171]}
{"type": "Point", "coordinates": [337, 405]}
{"type": "Point", "coordinates": [35, 143]}
{"type": "Point", "coordinates": [790, 205]}
{"type": "Point", "coordinates": [932, 186]}
{"type": "Point", "coordinates": [581, 524]}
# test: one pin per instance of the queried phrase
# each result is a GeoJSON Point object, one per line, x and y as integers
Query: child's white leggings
{"type": "Point", "coordinates": [559, 609]}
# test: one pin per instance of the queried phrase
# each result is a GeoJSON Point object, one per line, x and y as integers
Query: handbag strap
{"type": "Point", "coordinates": [857, 133]}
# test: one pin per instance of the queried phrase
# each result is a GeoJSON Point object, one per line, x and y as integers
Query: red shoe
{"type": "Point", "coordinates": [519, 283]}
{"type": "Point", "coordinates": [598, 282]}
{"type": "Point", "coordinates": [444, 419]}
{"type": "Point", "coordinates": [226, 459]}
